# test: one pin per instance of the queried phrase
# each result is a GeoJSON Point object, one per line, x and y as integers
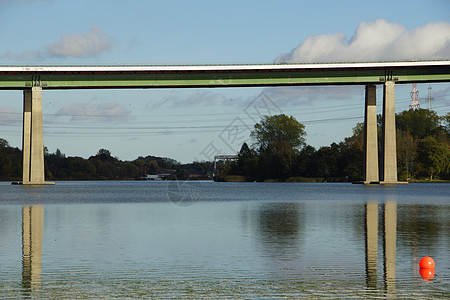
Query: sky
{"type": "Point", "coordinates": [196, 124]}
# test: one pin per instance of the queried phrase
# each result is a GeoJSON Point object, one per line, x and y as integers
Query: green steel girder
{"type": "Point", "coordinates": [219, 78]}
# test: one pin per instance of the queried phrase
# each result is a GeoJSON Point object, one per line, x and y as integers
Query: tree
{"type": "Point", "coordinates": [406, 154]}
{"type": "Point", "coordinates": [10, 161]}
{"type": "Point", "coordinates": [278, 140]}
{"type": "Point", "coordinates": [80, 168]}
{"type": "Point", "coordinates": [434, 156]}
{"type": "Point", "coordinates": [4, 143]}
{"type": "Point", "coordinates": [246, 152]}
{"type": "Point", "coordinates": [305, 164]}
{"type": "Point", "coordinates": [278, 134]}
{"type": "Point", "coordinates": [419, 123]}
{"type": "Point", "coordinates": [446, 120]}
{"type": "Point", "coordinates": [58, 153]}
{"type": "Point", "coordinates": [103, 152]}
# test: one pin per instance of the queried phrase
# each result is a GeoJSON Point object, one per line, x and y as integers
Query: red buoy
{"type": "Point", "coordinates": [426, 262]}
{"type": "Point", "coordinates": [427, 274]}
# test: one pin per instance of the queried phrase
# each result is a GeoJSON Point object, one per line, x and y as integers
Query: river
{"type": "Point", "coordinates": [119, 239]}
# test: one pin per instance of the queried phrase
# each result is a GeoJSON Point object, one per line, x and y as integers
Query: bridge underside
{"type": "Point", "coordinates": [33, 79]}
{"type": "Point", "coordinates": [33, 140]}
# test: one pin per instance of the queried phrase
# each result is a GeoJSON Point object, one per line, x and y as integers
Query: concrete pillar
{"type": "Point", "coordinates": [389, 135]}
{"type": "Point", "coordinates": [371, 172]}
{"type": "Point", "coordinates": [26, 136]}
{"type": "Point", "coordinates": [33, 137]}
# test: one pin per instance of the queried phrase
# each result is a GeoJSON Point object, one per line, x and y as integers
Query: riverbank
{"type": "Point", "coordinates": [239, 178]}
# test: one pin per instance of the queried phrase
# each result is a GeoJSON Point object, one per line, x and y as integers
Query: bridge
{"type": "Point", "coordinates": [33, 79]}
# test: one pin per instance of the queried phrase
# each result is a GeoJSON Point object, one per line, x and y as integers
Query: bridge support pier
{"type": "Point", "coordinates": [33, 138]}
{"type": "Point", "coordinates": [371, 172]}
{"type": "Point", "coordinates": [389, 135]}
{"type": "Point", "coordinates": [389, 169]}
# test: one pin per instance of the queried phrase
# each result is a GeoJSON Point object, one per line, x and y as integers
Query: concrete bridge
{"type": "Point", "coordinates": [33, 79]}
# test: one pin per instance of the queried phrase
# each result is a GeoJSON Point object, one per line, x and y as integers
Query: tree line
{"type": "Point", "coordinates": [102, 166]}
{"type": "Point", "coordinates": [278, 153]}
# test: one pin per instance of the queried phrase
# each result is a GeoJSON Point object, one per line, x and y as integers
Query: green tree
{"type": "Point", "coordinates": [433, 156]}
{"type": "Point", "coordinates": [278, 140]}
{"type": "Point", "coordinates": [58, 153]}
{"type": "Point", "coordinates": [305, 162]}
{"type": "Point", "coordinates": [247, 163]}
{"type": "Point", "coordinates": [103, 152]}
{"type": "Point", "coordinates": [280, 135]}
{"type": "Point", "coordinates": [406, 154]}
{"type": "Point", "coordinates": [446, 120]}
{"type": "Point", "coordinates": [80, 168]}
{"type": "Point", "coordinates": [4, 143]}
{"type": "Point", "coordinates": [246, 152]}
{"type": "Point", "coordinates": [10, 161]}
{"type": "Point", "coordinates": [129, 170]}
{"type": "Point", "coordinates": [419, 123]}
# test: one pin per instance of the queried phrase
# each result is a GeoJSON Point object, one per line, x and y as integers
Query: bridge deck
{"type": "Point", "coordinates": [141, 76]}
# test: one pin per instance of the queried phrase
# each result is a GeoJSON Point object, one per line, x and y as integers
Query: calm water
{"type": "Point", "coordinates": [235, 240]}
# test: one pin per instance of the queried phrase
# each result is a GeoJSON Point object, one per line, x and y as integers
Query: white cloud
{"type": "Point", "coordinates": [375, 41]}
{"type": "Point", "coordinates": [91, 43]}
{"type": "Point", "coordinates": [109, 111]}
{"type": "Point", "coordinates": [25, 55]}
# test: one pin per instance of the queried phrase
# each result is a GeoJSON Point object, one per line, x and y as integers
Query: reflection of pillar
{"type": "Point", "coordinates": [371, 243]}
{"type": "Point", "coordinates": [32, 228]}
{"type": "Point", "coordinates": [371, 173]}
{"type": "Point", "coordinates": [390, 239]}
{"type": "Point", "coordinates": [389, 134]}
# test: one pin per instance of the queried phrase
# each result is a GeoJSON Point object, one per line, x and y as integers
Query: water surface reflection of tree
{"type": "Point", "coordinates": [280, 223]}
{"type": "Point", "coordinates": [279, 229]}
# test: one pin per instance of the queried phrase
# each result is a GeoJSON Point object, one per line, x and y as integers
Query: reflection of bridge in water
{"type": "Point", "coordinates": [33, 79]}
{"type": "Point", "coordinates": [389, 244]}
{"type": "Point", "coordinates": [32, 232]}
{"type": "Point", "coordinates": [283, 221]}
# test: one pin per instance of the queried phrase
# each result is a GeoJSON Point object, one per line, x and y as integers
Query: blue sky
{"type": "Point", "coordinates": [195, 124]}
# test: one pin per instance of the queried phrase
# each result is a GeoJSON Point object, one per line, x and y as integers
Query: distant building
{"type": "Point", "coordinates": [152, 177]}
{"type": "Point", "coordinates": [165, 174]}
